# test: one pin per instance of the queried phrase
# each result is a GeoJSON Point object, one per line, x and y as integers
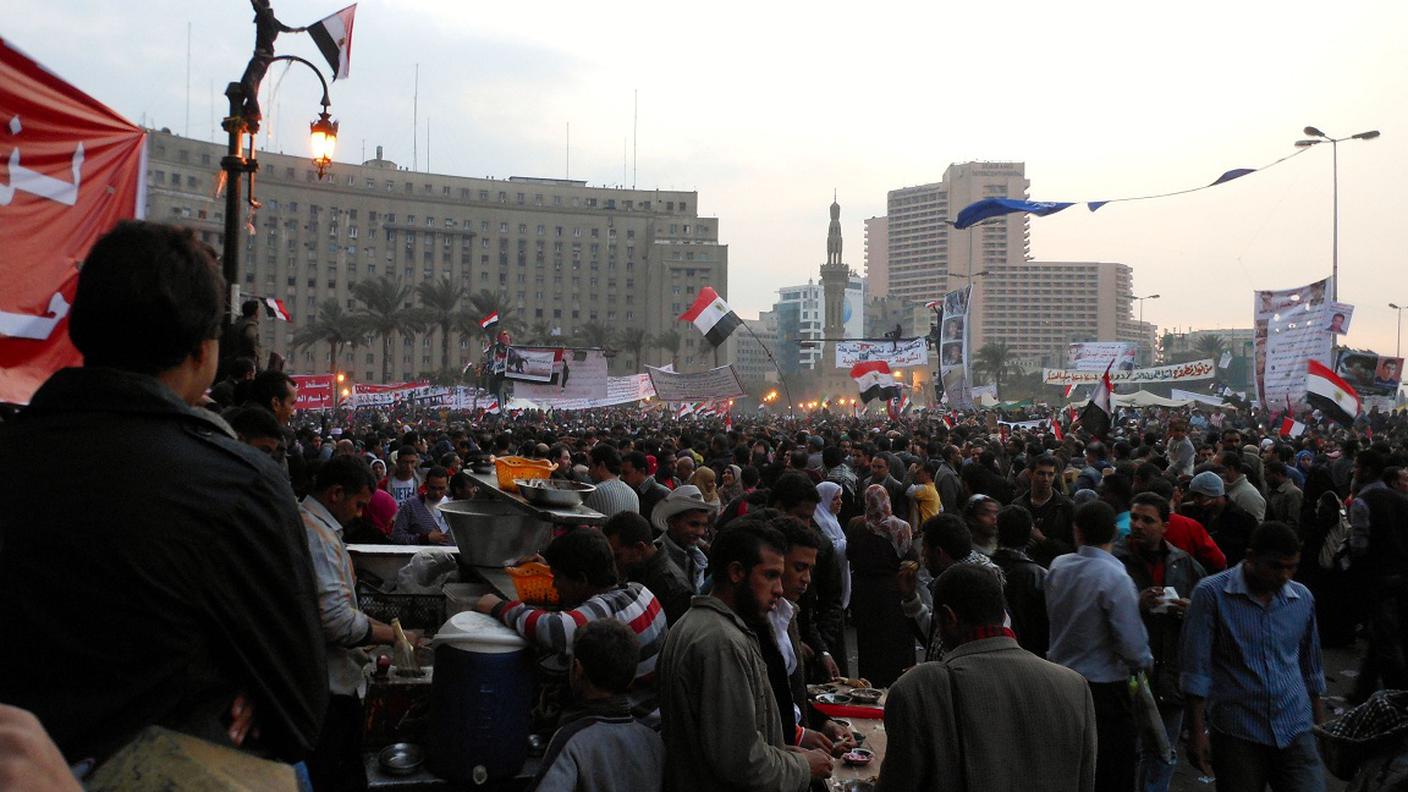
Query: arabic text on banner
{"type": "Point", "coordinates": [1098, 355]}
{"type": "Point", "coordinates": [1291, 340]}
{"type": "Point", "coordinates": [619, 390]}
{"type": "Point", "coordinates": [719, 383]}
{"type": "Point", "coordinates": [315, 391]}
{"type": "Point", "coordinates": [899, 354]}
{"type": "Point", "coordinates": [953, 349]}
{"type": "Point", "coordinates": [1178, 394]}
{"type": "Point", "coordinates": [1178, 372]}
{"type": "Point", "coordinates": [582, 376]}
{"type": "Point", "coordinates": [1269, 303]}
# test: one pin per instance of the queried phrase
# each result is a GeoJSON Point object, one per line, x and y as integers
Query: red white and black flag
{"type": "Point", "coordinates": [274, 309]}
{"type": "Point", "coordinates": [333, 35]}
{"type": "Point", "coordinates": [875, 381]}
{"type": "Point", "coordinates": [712, 317]}
{"type": "Point", "coordinates": [1331, 395]}
{"type": "Point", "coordinates": [1095, 418]}
{"type": "Point", "coordinates": [489, 321]}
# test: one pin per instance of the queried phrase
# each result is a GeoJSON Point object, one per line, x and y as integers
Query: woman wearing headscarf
{"type": "Point", "coordinates": [732, 484]}
{"type": "Point", "coordinates": [826, 520]}
{"type": "Point", "coordinates": [876, 544]}
{"type": "Point", "coordinates": [703, 478]}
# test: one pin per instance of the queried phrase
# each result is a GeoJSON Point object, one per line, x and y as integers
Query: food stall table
{"type": "Point", "coordinates": [576, 515]}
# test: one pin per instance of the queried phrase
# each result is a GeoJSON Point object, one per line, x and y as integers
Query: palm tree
{"type": "Point", "coordinates": [334, 327]}
{"type": "Point", "coordinates": [634, 340]}
{"type": "Point", "coordinates": [439, 300]}
{"type": "Point", "coordinates": [670, 341]}
{"type": "Point", "coordinates": [596, 334]}
{"type": "Point", "coordinates": [481, 305]}
{"type": "Point", "coordinates": [539, 333]}
{"type": "Point", "coordinates": [386, 311]}
{"type": "Point", "coordinates": [996, 360]}
{"type": "Point", "coordinates": [1210, 346]}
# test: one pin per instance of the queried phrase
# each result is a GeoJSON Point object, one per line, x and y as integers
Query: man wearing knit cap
{"type": "Point", "coordinates": [1228, 524]}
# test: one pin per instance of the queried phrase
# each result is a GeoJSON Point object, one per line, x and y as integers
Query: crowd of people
{"type": "Point", "coordinates": [175, 559]}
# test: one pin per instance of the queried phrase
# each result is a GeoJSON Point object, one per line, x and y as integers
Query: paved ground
{"type": "Point", "coordinates": [1341, 667]}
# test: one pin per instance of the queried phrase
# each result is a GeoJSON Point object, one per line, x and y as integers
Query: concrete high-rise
{"type": "Point", "coordinates": [558, 253]}
{"type": "Point", "coordinates": [877, 256]}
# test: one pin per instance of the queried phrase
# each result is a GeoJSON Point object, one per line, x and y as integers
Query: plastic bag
{"type": "Point", "coordinates": [1147, 718]}
{"type": "Point", "coordinates": [427, 572]}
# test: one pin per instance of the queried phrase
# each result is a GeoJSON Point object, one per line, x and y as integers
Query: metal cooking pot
{"type": "Point", "coordinates": [494, 533]}
{"type": "Point", "coordinates": [554, 493]}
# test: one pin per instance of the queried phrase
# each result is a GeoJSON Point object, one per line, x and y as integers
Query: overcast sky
{"type": "Point", "coordinates": [764, 108]}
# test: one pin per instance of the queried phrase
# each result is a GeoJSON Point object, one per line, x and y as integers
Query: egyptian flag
{"type": "Point", "coordinates": [874, 380]}
{"type": "Point", "coordinates": [1056, 430]}
{"type": "Point", "coordinates": [274, 309]}
{"type": "Point", "coordinates": [333, 35]}
{"type": "Point", "coordinates": [489, 321]}
{"type": "Point", "coordinates": [1070, 388]}
{"type": "Point", "coordinates": [493, 408]}
{"type": "Point", "coordinates": [898, 406]}
{"type": "Point", "coordinates": [948, 420]}
{"type": "Point", "coordinates": [1290, 427]}
{"type": "Point", "coordinates": [1332, 395]}
{"type": "Point", "coordinates": [712, 316]}
{"type": "Point", "coordinates": [1095, 418]}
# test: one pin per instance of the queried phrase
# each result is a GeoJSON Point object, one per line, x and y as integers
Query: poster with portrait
{"type": "Point", "coordinates": [1279, 305]}
{"type": "Point", "coordinates": [953, 349]}
{"type": "Point", "coordinates": [527, 364]}
{"type": "Point", "coordinates": [1376, 378]}
{"type": "Point", "coordinates": [1339, 316]}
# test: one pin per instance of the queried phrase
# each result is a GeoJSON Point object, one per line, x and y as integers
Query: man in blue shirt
{"type": "Point", "coordinates": [1251, 671]}
{"type": "Point", "coordinates": [1096, 630]}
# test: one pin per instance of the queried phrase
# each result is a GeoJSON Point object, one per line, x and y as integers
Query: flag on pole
{"type": "Point", "coordinates": [712, 317]}
{"type": "Point", "coordinates": [274, 309]}
{"type": "Point", "coordinates": [1056, 430]}
{"type": "Point", "coordinates": [493, 408]}
{"type": "Point", "coordinates": [874, 380]}
{"type": "Point", "coordinates": [1333, 396]}
{"type": "Point", "coordinates": [1095, 418]}
{"type": "Point", "coordinates": [333, 35]}
{"type": "Point", "coordinates": [1070, 388]}
{"type": "Point", "coordinates": [1290, 427]}
{"type": "Point", "coordinates": [489, 321]}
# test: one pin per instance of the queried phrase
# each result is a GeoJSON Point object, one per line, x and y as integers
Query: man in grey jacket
{"type": "Point", "coordinates": [720, 721]}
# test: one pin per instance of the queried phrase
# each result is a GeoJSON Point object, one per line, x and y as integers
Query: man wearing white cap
{"type": "Point", "coordinates": [684, 518]}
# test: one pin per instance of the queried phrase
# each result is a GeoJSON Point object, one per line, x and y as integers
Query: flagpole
{"type": "Point", "coordinates": [785, 392]}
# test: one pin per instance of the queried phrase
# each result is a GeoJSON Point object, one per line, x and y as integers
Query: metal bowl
{"type": "Point", "coordinates": [866, 695]}
{"type": "Point", "coordinates": [555, 493]}
{"type": "Point", "coordinates": [494, 533]}
{"type": "Point", "coordinates": [401, 758]}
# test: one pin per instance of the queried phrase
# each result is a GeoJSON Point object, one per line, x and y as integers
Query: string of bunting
{"type": "Point", "coordinates": [988, 208]}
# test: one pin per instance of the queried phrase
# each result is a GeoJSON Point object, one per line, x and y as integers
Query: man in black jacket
{"type": "Point", "coordinates": [1025, 578]}
{"type": "Point", "coordinates": [173, 586]}
{"type": "Point", "coordinates": [634, 472]}
{"type": "Point", "coordinates": [1051, 512]}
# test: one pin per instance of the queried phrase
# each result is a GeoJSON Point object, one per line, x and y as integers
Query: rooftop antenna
{"type": "Point", "coordinates": [415, 121]}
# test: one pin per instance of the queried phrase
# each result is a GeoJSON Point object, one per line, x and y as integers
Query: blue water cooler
{"type": "Point", "coordinates": [481, 700]}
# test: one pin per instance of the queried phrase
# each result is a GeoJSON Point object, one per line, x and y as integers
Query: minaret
{"type": "Point", "coordinates": [835, 276]}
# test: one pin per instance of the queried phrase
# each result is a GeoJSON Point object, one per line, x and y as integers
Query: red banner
{"type": "Point", "coordinates": [70, 169]}
{"type": "Point", "coordinates": [315, 391]}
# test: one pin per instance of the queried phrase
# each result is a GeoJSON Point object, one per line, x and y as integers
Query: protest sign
{"type": "Point", "coordinates": [1099, 355]}
{"type": "Point", "coordinates": [1376, 378]}
{"type": "Point", "coordinates": [1178, 394]}
{"type": "Point", "coordinates": [532, 365]}
{"type": "Point", "coordinates": [1178, 372]}
{"type": "Point", "coordinates": [1294, 337]}
{"type": "Point", "coordinates": [315, 391]}
{"type": "Point", "coordinates": [899, 354]}
{"type": "Point", "coordinates": [1338, 316]}
{"type": "Point", "coordinates": [619, 390]}
{"type": "Point", "coordinates": [580, 374]}
{"type": "Point", "coordinates": [73, 169]}
{"type": "Point", "coordinates": [1279, 304]}
{"type": "Point", "coordinates": [953, 349]}
{"type": "Point", "coordinates": [718, 383]}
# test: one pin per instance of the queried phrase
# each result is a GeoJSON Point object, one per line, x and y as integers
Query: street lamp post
{"type": "Point", "coordinates": [1141, 316]}
{"type": "Point", "coordinates": [1315, 138]}
{"type": "Point", "coordinates": [242, 121]}
{"type": "Point", "coordinates": [1398, 347]}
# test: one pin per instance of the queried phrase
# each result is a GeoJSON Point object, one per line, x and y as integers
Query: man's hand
{"type": "Point", "coordinates": [1150, 598]}
{"type": "Point", "coordinates": [241, 718]}
{"type": "Point", "coordinates": [840, 735]}
{"type": "Point", "coordinates": [439, 538]}
{"type": "Point", "coordinates": [907, 579]}
{"type": "Point", "coordinates": [487, 603]}
{"type": "Point", "coordinates": [1037, 535]}
{"type": "Point", "coordinates": [29, 760]}
{"type": "Point", "coordinates": [818, 761]}
{"type": "Point", "coordinates": [829, 664]}
{"type": "Point", "coordinates": [815, 739]}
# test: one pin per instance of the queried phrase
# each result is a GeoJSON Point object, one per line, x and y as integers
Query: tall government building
{"type": "Point", "coordinates": [558, 252]}
{"type": "Point", "coordinates": [1035, 307]}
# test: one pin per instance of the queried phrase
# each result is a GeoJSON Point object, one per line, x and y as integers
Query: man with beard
{"type": "Point", "coordinates": [720, 721]}
{"type": "Point", "coordinates": [1051, 513]}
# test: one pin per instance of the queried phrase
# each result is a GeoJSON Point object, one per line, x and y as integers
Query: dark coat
{"type": "Point", "coordinates": [151, 567]}
{"type": "Point", "coordinates": [666, 581]}
{"type": "Point", "coordinates": [651, 492]}
{"type": "Point", "coordinates": [1181, 572]}
{"type": "Point", "coordinates": [1026, 598]}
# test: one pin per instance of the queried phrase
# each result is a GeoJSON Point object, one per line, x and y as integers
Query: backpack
{"type": "Point", "coordinates": [1334, 553]}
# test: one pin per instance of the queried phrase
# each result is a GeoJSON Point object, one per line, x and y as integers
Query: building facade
{"type": "Point", "coordinates": [751, 361]}
{"type": "Point", "coordinates": [877, 256]}
{"type": "Point", "coordinates": [801, 322]}
{"type": "Point", "coordinates": [1180, 347]}
{"type": "Point", "coordinates": [557, 254]}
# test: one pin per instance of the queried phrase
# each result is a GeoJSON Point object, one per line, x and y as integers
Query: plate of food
{"type": "Point", "coordinates": [859, 757]}
{"type": "Point", "coordinates": [866, 695]}
{"type": "Point", "coordinates": [833, 698]}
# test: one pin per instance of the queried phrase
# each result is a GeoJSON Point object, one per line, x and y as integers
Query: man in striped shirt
{"type": "Point", "coordinates": [1251, 658]}
{"type": "Point", "coordinates": [588, 588]}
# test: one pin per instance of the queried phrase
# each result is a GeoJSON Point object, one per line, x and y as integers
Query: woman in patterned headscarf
{"type": "Point", "coordinates": [876, 545]}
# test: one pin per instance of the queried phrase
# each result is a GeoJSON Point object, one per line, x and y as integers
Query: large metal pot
{"type": "Point", "coordinates": [554, 493]}
{"type": "Point", "coordinates": [493, 533]}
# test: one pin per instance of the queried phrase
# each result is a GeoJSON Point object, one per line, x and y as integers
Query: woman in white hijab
{"type": "Point", "coordinates": [825, 518]}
